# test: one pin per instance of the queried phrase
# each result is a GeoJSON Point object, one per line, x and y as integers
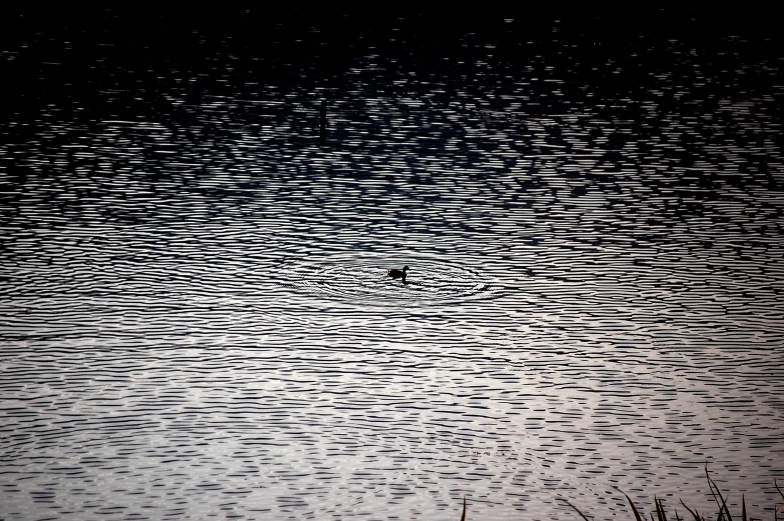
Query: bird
{"type": "Point", "coordinates": [398, 274]}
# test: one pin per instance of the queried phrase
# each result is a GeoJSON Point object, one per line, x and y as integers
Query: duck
{"type": "Point", "coordinates": [398, 274]}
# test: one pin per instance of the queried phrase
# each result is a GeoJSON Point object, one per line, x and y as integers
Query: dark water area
{"type": "Point", "coordinates": [196, 320]}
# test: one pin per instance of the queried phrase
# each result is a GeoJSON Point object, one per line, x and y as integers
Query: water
{"type": "Point", "coordinates": [197, 321]}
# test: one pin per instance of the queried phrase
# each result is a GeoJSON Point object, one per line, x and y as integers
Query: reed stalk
{"type": "Point", "coordinates": [660, 514]}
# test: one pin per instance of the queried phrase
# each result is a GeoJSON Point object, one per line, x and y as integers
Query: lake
{"type": "Point", "coordinates": [197, 318]}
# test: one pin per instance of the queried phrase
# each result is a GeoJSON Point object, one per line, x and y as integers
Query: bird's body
{"type": "Point", "coordinates": [398, 274]}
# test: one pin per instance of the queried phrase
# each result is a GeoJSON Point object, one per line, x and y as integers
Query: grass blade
{"type": "Point", "coordinates": [637, 515]}
{"type": "Point", "coordinates": [462, 518]}
{"type": "Point", "coordinates": [575, 509]}
{"type": "Point", "coordinates": [713, 493]}
{"type": "Point", "coordinates": [723, 505]}
{"type": "Point", "coordinates": [778, 507]}
{"type": "Point", "coordinates": [777, 488]}
{"type": "Point", "coordinates": [695, 515]}
{"type": "Point", "coordinates": [659, 509]}
{"type": "Point", "coordinates": [743, 509]}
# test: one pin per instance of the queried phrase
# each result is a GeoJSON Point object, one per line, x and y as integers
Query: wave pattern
{"type": "Point", "coordinates": [362, 279]}
{"type": "Point", "coordinates": [196, 319]}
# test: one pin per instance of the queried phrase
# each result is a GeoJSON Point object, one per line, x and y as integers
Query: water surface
{"type": "Point", "coordinates": [196, 317]}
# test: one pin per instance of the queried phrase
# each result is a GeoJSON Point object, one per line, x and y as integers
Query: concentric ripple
{"type": "Point", "coordinates": [362, 279]}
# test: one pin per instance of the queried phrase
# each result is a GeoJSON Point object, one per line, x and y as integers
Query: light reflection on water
{"type": "Point", "coordinates": [197, 318]}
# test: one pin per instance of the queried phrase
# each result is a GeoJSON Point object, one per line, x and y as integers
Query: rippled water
{"type": "Point", "coordinates": [197, 321]}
